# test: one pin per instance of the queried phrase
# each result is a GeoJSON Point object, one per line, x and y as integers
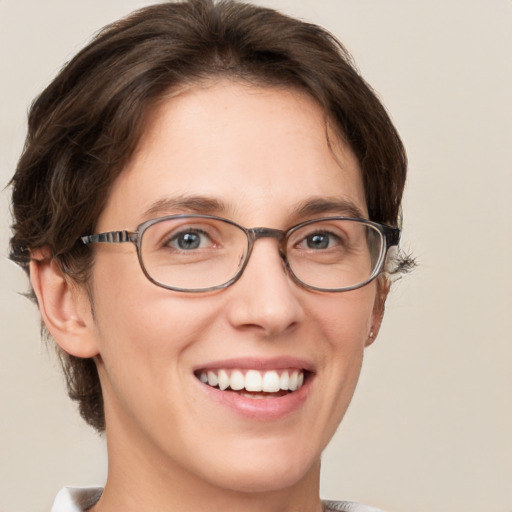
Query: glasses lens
{"type": "Point", "coordinates": [193, 253]}
{"type": "Point", "coordinates": [334, 254]}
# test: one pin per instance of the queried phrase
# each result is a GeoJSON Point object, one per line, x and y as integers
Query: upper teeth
{"type": "Point", "coordinates": [254, 380]}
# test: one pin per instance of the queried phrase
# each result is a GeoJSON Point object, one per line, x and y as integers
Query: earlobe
{"type": "Point", "coordinates": [383, 286]}
{"type": "Point", "coordinates": [64, 308]}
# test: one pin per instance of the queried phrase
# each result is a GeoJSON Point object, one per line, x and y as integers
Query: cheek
{"type": "Point", "coordinates": [131, 314]}
{"type": "Point", "coordinates": [345, 322]}
{"type": "Point", "coordinates": [144, 339]}
{"type": "Point", "coordinates": [144, 328]}
{"type": "Point", "coordinates": [340, 330]}
{"type": "Point", "coordinates": [346, 318]}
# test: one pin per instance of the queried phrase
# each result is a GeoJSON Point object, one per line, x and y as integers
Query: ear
{"type": "Point", "coordinates": [64, 306]}
{"type": "Point", "coordinates": [383, 286]}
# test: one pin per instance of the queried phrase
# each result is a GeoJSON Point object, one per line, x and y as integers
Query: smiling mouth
{"type": "Point", "coordinates": [254, 383]}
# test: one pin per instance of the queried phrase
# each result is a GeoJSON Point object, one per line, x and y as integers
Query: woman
{"type": "Point", "coordinates": [206, 206]}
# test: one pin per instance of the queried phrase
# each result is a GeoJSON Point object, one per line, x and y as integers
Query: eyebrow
{"type": "Point", "coordinates": [212, 205]}
{"type": "Point", "coordinates": [185, 204]}
{"type": "Point", "coordinates": [337, 206]}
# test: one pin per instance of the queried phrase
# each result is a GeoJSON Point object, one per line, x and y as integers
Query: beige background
{"type": "Point", "coordinates": [431, 425]}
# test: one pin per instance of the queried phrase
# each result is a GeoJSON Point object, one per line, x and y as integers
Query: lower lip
{"type": "Point", "coordinates": [262, 409]}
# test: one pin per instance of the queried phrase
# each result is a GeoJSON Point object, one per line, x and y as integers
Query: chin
{"type": "Point", "coordinates": [273, 477]}
{"type": "Point", "coordinates": [264, 470]}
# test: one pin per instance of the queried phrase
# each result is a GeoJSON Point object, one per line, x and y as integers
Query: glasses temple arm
{"type": "Point", "coordinates": [392, 236]}
{"type": "Point", "coordinates": [111, 237]}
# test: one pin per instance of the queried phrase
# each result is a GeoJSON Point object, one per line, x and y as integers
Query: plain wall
{"type": "Point", "coordinates": [431, 424]}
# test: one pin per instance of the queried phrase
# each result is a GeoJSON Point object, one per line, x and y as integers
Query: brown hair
{"type": "Point", "coordinates": [86, 124]}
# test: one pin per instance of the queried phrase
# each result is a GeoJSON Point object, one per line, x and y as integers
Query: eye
{"type": "Point", "coordinates": [320, 240]}
{"type": "Point", "coordinates": [189, 240]}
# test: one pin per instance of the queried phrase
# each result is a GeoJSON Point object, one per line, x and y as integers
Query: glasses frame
{"type": "Point", "coordinates": [390, 237]}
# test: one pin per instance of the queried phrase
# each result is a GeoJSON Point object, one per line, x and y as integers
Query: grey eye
{"type": "Point", "coordinates": [189, 240]}
{"type": "Point", "coordinates": [317, 241]}
{"type": "Point", "coordinates": [320, 240]}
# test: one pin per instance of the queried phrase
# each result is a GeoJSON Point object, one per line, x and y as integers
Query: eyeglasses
{"type": "Point", "coordinates": [197, 253]}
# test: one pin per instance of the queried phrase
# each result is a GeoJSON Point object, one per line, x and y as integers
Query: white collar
{"type": "Point", "coordinates": [76, 499]}
{"type": "Point", "coordinates": [79, 499]}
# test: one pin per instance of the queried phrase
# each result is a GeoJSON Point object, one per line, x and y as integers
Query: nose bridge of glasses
{"type": "Point", "coordinates": [277, 234]}
{"type": "Point", "coordinates": [267, 233]}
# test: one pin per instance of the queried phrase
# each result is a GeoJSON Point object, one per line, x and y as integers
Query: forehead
{"type": "Point", "coordinates": [255, 151]}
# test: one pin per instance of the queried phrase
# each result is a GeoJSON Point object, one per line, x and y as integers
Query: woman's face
{"type": "Point", "coordinates": [257, 156]}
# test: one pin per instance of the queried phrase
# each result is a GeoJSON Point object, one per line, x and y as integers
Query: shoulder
{"type": "Point", "coordinates": [348, 506]}
{"type": "Point", "coordinates": [76, 499]}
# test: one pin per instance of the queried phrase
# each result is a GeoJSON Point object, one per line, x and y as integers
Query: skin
{"type": "Point", "coordinates": [261, 152]}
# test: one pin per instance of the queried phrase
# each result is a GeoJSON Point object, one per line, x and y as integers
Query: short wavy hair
{"type": "Point", "coordinates": [86, 124]}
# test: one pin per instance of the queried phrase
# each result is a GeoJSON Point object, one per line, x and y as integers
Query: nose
{"type": "Point", "coordinates": [265, 299]}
